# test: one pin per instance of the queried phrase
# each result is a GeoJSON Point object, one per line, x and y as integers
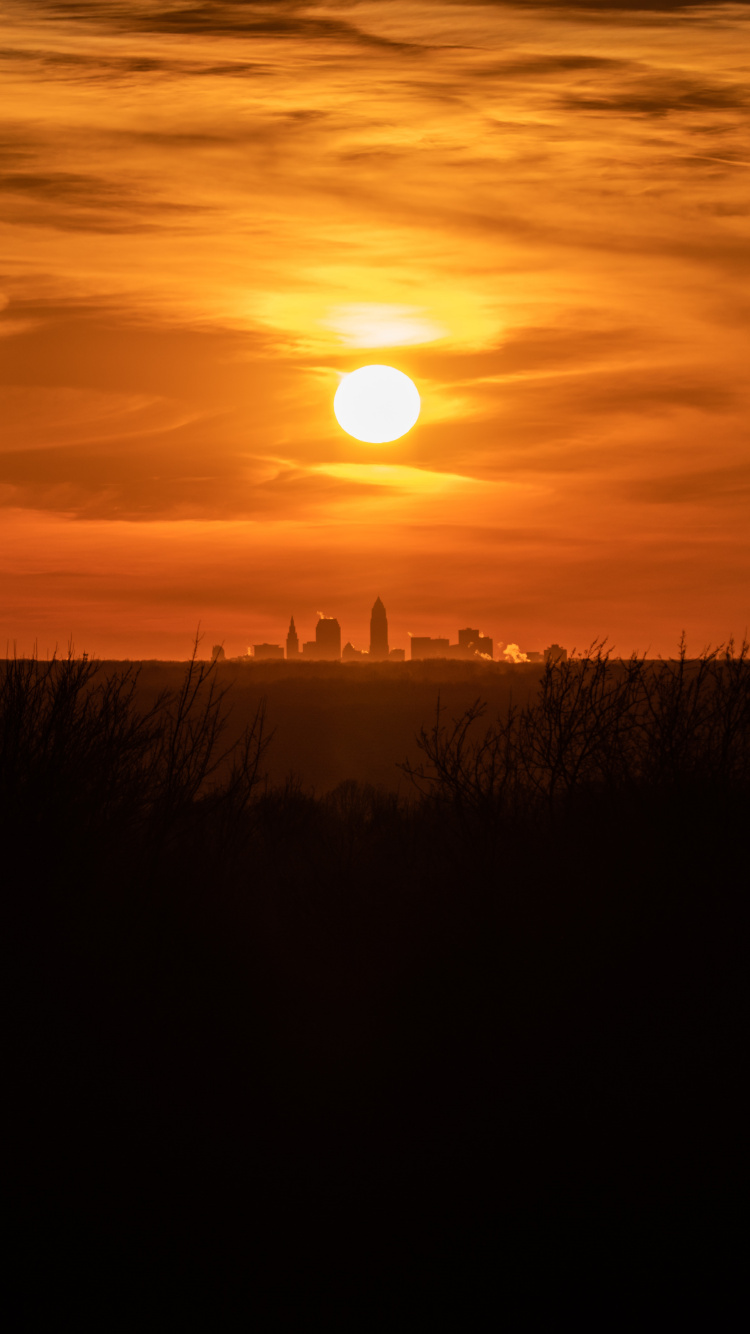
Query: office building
{"type": "Point", "coordinates": [472, 644]}
{"type": "Point", "coordinates": [424, 647]}
{"type": "Point", "coordinates": [378, 632]}
{"type": "Point", "coordinates": [328, 639]}
{"type": "Point", "coordinates": [351, 654]}
{"type": "Point", "coordinates": [267, 652]}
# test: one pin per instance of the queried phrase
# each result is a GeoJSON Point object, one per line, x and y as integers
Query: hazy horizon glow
{"type": "Point", "coordinates": [212, 212]}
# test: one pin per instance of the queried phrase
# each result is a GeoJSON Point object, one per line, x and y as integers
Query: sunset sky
{"type": "Point", "coordinates": [209, 211]}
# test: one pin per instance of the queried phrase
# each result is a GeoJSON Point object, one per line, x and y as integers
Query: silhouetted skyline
{"type": "Point", "coordinates": [471, 645]}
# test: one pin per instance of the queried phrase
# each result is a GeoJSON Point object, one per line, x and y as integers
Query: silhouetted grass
{"type": "Point", "coordinates": [251, 1024]}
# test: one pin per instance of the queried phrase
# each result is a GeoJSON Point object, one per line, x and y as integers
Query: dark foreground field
{"type": "Point", "coordinates": [338, 721]}
{"type": "Point", "coordinates": [340, 1054]}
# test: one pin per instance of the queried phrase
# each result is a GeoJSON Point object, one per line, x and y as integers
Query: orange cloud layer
{"type": "Point", "coordinates": [210, 212]}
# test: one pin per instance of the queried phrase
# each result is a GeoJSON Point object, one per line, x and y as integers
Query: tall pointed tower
{"type": "Point", "coordinates": [292, 642]}
{"type": "Point", "coordinates": [378, 632]}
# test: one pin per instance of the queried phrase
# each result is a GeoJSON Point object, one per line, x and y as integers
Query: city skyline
{"type": "Point", "coordinates": [328, 646]}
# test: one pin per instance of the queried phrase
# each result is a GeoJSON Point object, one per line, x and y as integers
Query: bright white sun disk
{"type": "Point", "coordinates": [376, 404]}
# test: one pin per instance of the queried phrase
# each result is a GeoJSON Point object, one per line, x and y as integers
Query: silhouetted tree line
{"type": "Point", "coordinates": [74, 744]}
{"type": "Point", "coordinates": [76, 747]}
{"type": "Point", "coordinates": [345, 1035]}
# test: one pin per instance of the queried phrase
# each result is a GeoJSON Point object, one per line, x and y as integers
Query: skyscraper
{"type": "Point", "coordinates": [328, 639]}
{"type": "Point", "coordinates": [378, 632]}
{"type": "Point", "coordinates": [292, 642]}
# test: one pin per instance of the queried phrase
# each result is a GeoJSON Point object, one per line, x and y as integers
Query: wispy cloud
{"type": "Point", "coordinates": [417, 482]}
{"type": "Point", "coordinates": [281, 19]}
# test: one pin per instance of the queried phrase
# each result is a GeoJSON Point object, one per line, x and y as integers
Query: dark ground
{"type": "Point", "coordinates": [338, 721]}
{"type": "Point", "coordinates": [374, 1063]}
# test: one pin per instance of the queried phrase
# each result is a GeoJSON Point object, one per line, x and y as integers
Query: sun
{"type": "Point", "coordinates": [376, 404]}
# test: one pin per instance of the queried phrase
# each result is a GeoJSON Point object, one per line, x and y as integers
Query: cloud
{"type": "Point", "coordinates": [101, 345]}
{"type": "Point", "coordinates": [530, 350]}
{"type": "Point", "coordinates": [110, 417]}
{"type": "Point", "coordinates": [708, 486]}
{"type": "Point", "coordinates": [284, 19]}
{"type": "Point", "coordinates": [651, 96]}
{"type": "Point", "coordinates": [647, 389]}
{"type": "Point", "coordinates": [82, 201]}
{"type": "Point", "coordinates": [635, 8]}
{"type": "Point", "coordinates": [98, 66]}
{"type": "Point", "coordinates": [558, 63]}
{"type": "Point", "coordinates": [400, 477]}
{"type": "Point", "coordinates": [42, 417]}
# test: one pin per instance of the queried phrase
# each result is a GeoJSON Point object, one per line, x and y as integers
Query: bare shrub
{"type": "Point", "coordinates": [598, 723]}
{"type": "Point", "coordinates": [74, 741]}
{"type": "Point", "coordinates": [695, 720]}
{"type": "Point", "coordinates": [474, 773]}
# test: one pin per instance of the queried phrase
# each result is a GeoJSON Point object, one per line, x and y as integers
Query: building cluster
{"type": "Point", "coordinates": [471, 644]}
{"type": "Point", "coordinates": [326, 646]}
{"type": "Point", "coordinates": [554, 653]}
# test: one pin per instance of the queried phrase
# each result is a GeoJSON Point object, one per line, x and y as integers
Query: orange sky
{"type": "Point", "coordinates": [210, 210]}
